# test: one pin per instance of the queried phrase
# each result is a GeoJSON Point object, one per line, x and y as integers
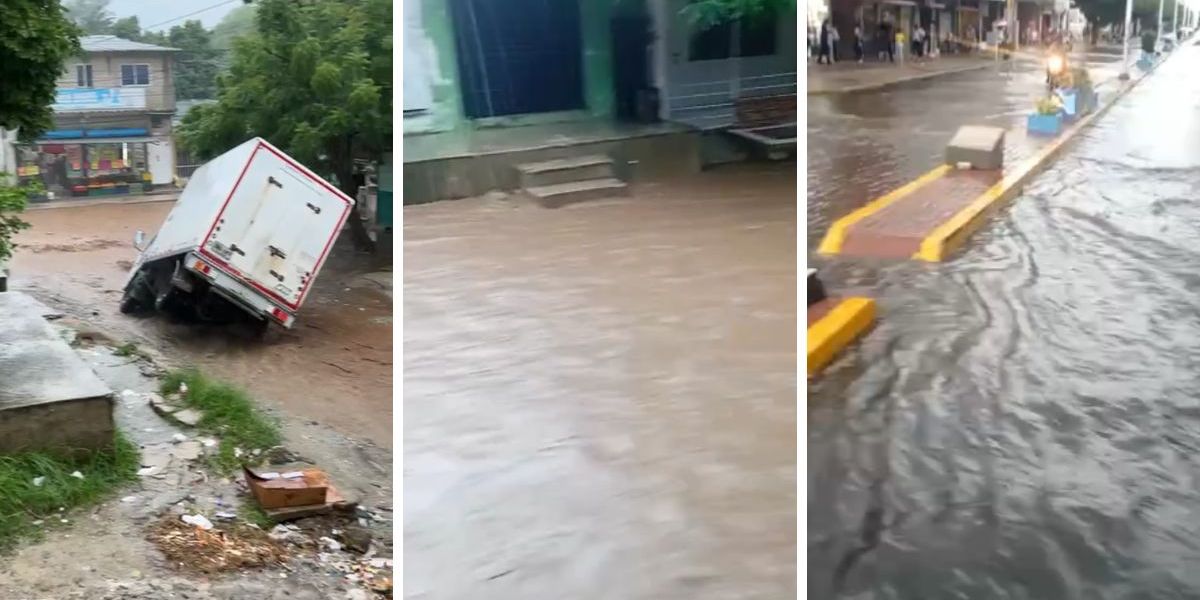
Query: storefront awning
{"type": "Point", "coordinates": [61, 134]}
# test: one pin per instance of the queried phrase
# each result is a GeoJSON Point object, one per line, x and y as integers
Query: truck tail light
{"type": "Point", "coordinates": [279, 315]}
{"type": "Point", "coordinates": [203, 267]}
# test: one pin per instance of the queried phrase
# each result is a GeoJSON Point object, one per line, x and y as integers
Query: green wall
{"type": "Point", "coordinates": [447, 112]}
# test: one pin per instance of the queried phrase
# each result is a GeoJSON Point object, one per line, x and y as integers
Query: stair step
{"type": "Point", "coordinates": [565, 170]}
{"type": "Point", "coordinates": [561, 194]}
{"type": "Point", "coordinates": [565, 163]}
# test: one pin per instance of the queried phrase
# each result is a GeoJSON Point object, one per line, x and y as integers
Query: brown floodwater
{"type": "Point", "coordinates": [600, 400]}
{"type": "Point", "coordinates": [334, 367]}
{"type": "Point", "coordinates": [1023, 421]}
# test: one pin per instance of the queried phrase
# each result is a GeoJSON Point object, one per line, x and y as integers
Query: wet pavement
{"type": "Point", "coordinates": [862, 145]}
{"type": "Point", "coordinates": [599, 400]}
{"type": "Point", "coordinates": [1023, 422]}
{"type": "Point", "coordinates": [333, 368]}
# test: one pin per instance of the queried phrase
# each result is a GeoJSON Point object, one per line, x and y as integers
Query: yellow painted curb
{"type": "Point", "coordinates": [952, 234]}
{"type": "Point", "coordinates": [836, 330]}
{"type": "Point", "coordinates": [835, 238]}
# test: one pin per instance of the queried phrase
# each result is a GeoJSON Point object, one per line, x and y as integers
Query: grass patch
{"type": "Point", "coordinates": [22, 502]}
{"type": "Point", "coordinates": [229, 414]}
{"type": "Point", "coordinates": [127, 349]}
{"type": "Point", "coordinates": [251, 512]}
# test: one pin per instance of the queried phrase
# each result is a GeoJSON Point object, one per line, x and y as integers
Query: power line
{"type": "Point", "coordinates": [191, 14]}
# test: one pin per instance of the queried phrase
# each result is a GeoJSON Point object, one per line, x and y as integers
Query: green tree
{"type": "Point", "coordinates": [12, 203]}
{"type": "Point", "coordinates": [127, 28]}
{"type": "Point", "coordinates": [196, 66]}
{"type": "Point", "coordinates": [92, 16]}
{"type": "Point", "coordinates": [239, 22]}
{"type": "Point", "coordinates": [36, 40]}
{"type": "Point", "coordinates": [315, 80]}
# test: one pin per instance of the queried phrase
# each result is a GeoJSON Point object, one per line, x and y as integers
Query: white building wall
{"type": "Point", "coordinates": [702, 93]}
{"type": "Point", "coordinates": [8, 151]}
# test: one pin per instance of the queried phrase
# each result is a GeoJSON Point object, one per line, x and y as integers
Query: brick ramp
{"type": "Point", "coordinates": [49, 398]}
{"type": "Point", "coordinates": [897, 229]}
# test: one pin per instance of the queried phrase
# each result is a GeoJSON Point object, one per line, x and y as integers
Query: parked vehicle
{"type": "Point", "coordinates": [246, 238]}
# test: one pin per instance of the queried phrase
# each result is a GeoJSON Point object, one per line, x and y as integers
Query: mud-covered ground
{"type": "Point", "coordinates": [328, 381]}
{"type": "Point", "coordinates": [334, 367]}
{"type": "Point", "coordinates": [105, 552]}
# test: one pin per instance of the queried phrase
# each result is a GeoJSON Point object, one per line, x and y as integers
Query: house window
{"type": "Point", "coordinates": [135, 74]}
{"type": "Point", "coordinates": [756, 37]}
{"type": "Point", "coordinates": [83, 76]}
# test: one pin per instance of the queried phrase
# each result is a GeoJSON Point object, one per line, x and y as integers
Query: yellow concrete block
{"type": "Point", "coordinates": [836, 330]}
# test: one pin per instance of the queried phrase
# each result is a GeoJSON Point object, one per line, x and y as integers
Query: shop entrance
{"type": "Point", "coordinates": [86, 169]}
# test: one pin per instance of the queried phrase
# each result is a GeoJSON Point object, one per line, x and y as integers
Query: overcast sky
{"type": "Point", "coordinates": [150, 12]}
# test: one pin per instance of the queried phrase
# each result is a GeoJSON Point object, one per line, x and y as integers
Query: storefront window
{"type": "Point", "coordinates": [92, 169]}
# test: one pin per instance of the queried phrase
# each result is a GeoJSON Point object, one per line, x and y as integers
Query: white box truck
{"type": "Point", "coordinates": [247, 236]}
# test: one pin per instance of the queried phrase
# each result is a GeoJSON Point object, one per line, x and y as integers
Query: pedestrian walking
{"type": "Point", "coordinates": [825, 51]}
{"type": "Point", "coordinates": [918, 41]}
{"type": "Point", "coordinates": [858, 43]}
{"type": "Point", "coordinates": [887, 42]}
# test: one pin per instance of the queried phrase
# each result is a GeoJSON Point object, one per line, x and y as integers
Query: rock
{"type": "Point", "coordinates": [358, 595]}
{"type": "Point", "coordinates": [190, 450]}
{"type": "Point", "coordinates": [356, 539]}
{"type": "Point", "coordinates": [161, 405]}
{"type": "Point", "coordinates": [188, 416]}
{"type": "Point", "coordinates": [285, 534]}
{"type": "Point", "coordinates": [280, 456]}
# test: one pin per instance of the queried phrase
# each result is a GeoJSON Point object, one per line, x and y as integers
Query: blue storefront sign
{"type": "Point", "coordinates": [92, 99]}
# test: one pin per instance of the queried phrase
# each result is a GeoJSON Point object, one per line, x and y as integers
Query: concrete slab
{"type": "Point", "coordinates": [49, 398]}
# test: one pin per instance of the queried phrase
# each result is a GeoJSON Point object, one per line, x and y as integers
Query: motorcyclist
{"type": "Point", "coordinates": [1056, 61]}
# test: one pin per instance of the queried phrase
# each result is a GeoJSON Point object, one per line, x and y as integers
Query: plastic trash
{"type": "Point", "coordinates": [198, 520]}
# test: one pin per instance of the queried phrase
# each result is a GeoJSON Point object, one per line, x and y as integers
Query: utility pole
{"type": "Point", "coordinates": [1125, 34]}
{"type": "Point", "coordinates": [1175, 22]}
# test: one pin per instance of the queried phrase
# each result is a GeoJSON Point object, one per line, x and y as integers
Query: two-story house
{"type": "Point", "coordinates": [112, 122]}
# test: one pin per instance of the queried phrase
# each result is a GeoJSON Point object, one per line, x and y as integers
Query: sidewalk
{"type": "Point", "coordinates": [157, 196]}
{"type": "Point", "coordinates": [848, 76]}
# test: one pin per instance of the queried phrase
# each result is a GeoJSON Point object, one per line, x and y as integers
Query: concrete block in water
{"type": "Point", "coordinates": [49, 398]}
{"type": "Point", "coordinates": [982, 147]}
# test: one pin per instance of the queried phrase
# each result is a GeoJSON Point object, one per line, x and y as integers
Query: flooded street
{"type": "Point", "coordinates": [334, 368]}
{"type": "Point", "coordinates": [600, 399]}
{"type": "Point", "coordinates": [862, 145]}
{"type": "Point", "coordinates": [1023, 422]}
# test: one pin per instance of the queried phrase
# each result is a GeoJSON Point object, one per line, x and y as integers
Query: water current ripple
{"type": "Point", "coordinates": [1024, 421]}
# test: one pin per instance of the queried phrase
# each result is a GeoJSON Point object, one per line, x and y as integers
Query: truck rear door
{"type": "Point", "coordinates": [278, 226]}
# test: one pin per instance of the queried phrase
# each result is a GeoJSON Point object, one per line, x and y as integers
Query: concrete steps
{"type": "Point", "coordinates": [562, 194]}
{"type": "Point", "coordinates": [559, 182]}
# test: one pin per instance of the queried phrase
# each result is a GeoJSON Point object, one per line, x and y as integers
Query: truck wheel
{"type": "Point", "coordinates": [259, 328]}
{"type": "Point", "coordinates": [129, 305]}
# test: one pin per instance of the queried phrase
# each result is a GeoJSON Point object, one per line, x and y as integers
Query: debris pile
{"type": "Point", "coordinates": [191, 547]}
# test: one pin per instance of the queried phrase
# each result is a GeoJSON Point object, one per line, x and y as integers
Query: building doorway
{"type": "Point", "coordinates": [518, 56]}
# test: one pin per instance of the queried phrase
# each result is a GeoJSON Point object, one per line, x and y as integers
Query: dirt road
{"type": "Point", "coordinates": [334, 368]}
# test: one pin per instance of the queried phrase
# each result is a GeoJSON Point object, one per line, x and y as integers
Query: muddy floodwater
{"type": "Point", "coordinates": [334, 367]}
{"type": "Point", "coordinates": [1025, 422]}
{"type": "Point", "coordinates": [600, 399]}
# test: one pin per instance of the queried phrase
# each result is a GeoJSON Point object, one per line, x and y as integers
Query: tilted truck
{"type": "Point", "coordinates": [247, 237]}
